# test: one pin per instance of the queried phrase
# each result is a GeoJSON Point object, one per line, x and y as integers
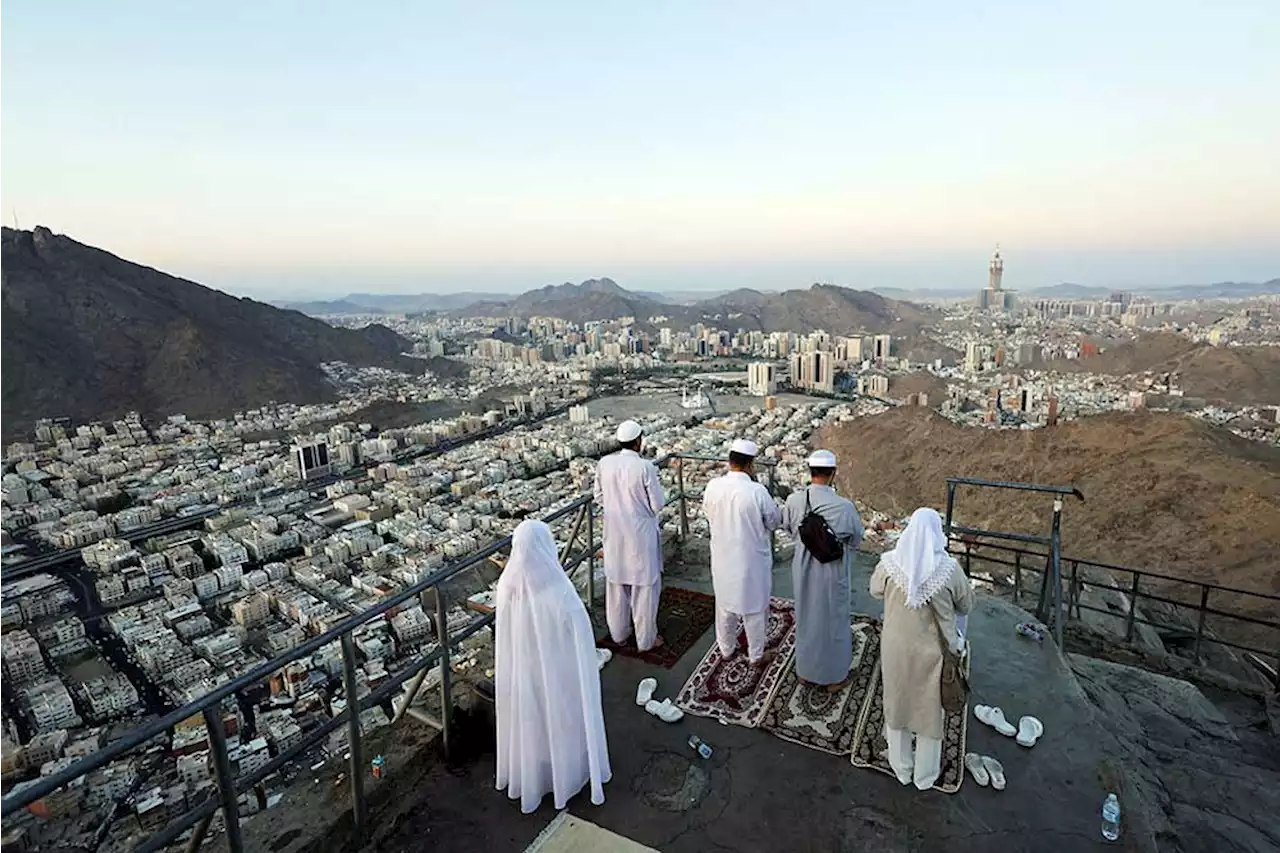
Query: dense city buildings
{"type": "Point", "coordinates": [154, 561]}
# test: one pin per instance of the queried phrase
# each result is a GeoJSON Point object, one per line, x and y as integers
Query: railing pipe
{"type": "Point", "coordinates": [226, 781]}
{"type": "Point", "coordinates": [591, 559]}
{"type": "Point", "coordinates": [355, 767]}
{"type": "Point", "coordinates": [1204, 609]}
{"type": "Point", "coordinates": [446, 686]}
{"type": "Point", "coordinates": [1133, 607]}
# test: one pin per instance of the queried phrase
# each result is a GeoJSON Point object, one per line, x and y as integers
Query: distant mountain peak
{"type": "Point", "coordinates": [89, 335]}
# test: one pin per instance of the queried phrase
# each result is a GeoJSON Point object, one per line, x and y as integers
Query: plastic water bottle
{"type": "Point", "coordinates": [1111, 818]}
{"type": "Point", "coordinates": [699, 747]}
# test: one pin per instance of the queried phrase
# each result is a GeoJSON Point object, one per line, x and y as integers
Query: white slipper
{"type": "Point", "coordinates": [973, 761]}
{"type": "Point", "coordinates": [994, 717]}
{"type": "Point", "coordinates": [1029, 731]}
{"type": "Point", "coordinates": [664, 710]}
{"type": "Point", "coordinates": [993, 768]}
{"type": "Point", "coordinates": [603, 656]}
{"type": "Point", "coordinates": [645, 691]}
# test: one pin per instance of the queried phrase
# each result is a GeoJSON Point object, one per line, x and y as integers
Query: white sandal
{"type": "Point", "coordinates": [1029, 731]}
{"type": "Point", "coordinates": [644, 692]}
{"type": "Point", "coordinates": [994, 717]}
{"type": "Point", "coordinates": [664, 710]}
{"type": "Point", "coordinates": [974, 763]}
{"type": "Point", "coordinates": [603, 656]}
{"type": "Point", "coordinates": [993, 769]}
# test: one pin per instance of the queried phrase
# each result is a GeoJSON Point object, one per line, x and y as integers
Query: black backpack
{"type": "Point", "coordinates": [817, 535]}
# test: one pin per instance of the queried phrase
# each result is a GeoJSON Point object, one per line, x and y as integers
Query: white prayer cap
{"type": "Point", "coordinates": [741, 445]}
{"type": "Point", "coordinates": [628, 431]}
{"type": "Point", "coordinates": [822, 459]}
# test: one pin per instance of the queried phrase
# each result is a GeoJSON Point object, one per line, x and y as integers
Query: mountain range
{"type": "Point", "coordinates": [88, 335]}
{"type": "Point", "coordinates": [394, 303]}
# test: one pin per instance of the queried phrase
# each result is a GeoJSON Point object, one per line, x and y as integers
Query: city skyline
{"type": "Point", "coordinates": [503, 149]}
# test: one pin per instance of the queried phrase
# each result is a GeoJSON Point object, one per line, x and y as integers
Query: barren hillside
{"type": "Point", "coordinates": [1237, 374]}
{"type": "Point", "coordinates": [1163, 492]}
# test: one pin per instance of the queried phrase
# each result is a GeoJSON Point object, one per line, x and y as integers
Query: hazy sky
{"type": "Point", "coordinates": [274, 148]}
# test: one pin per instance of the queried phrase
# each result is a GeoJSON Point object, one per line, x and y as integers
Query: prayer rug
{"type": "Point", "coordinates": [683, 617]}
{"type": "Point", "coordinates": [733, 690]}
{"type": "Point", "coordinates": [870, 747]}
{"type": "Point", "coordinates": [812, 717]}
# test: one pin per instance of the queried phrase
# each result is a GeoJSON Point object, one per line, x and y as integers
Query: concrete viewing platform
{"type": "Point", "coordinates": [1192, 774]}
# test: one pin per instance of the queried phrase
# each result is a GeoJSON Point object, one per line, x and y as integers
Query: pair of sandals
{"type": "Point", "coordinates": [985, 770]}
{"type": "Point", "coordinates": [665, 710]}
{"type": "Point", "coordinates": [1029, 729]}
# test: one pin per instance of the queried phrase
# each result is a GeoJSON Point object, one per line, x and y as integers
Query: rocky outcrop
{"type": "Point", "coordinates": [1209, 780]}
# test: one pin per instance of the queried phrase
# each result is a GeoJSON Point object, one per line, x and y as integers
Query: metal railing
{"type": "Point", "coordinates": [1049, 608]}
{"type": "Point", "coordinates": [1159, 588]}
{"type": "Point", "coordinates": [209, 706]}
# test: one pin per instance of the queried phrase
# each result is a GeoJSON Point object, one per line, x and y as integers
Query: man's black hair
{"type": "Point", "coordinates": [824, 473]}
{"type": "Point", "coordinates": [740, 460]}
{"type": "Point", "coordinates": [634, 444]}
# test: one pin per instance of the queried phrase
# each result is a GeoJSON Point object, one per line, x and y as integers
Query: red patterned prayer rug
{"type": "Point", "coordinates": [733, 690]}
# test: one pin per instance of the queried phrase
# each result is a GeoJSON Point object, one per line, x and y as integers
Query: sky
{"type": "Point", "coordinates": [311, 149]}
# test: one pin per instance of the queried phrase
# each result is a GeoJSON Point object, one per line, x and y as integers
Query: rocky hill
{"type": "Point", "coordinates": [594, 299]}
{"type": "Point", "coordinates": [1249, 375]}
{"type": "Point", "coordinates": [838, 310]}
{"type": "Point", "coordinates": [1162, 491]}
{"type": "Point", "coordinates": [89, 335]}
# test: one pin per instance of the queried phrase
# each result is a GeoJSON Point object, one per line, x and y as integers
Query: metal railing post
{"type": "Point", "coordinates": [1017, 576]}
{"type": "Point", "coordinates": [573, 536]}
{"type": "Point", "coordinates": [446, 670]}
{"type": "Point", "coordinates": [591, 556]}
{"type": "Point", "coordinates": [684, 506]}
{"type": "Point", "coordinates": [1073, 596]}
{"type": "Point", "coordinates": [951, 504]}
{"type": "Point", "coordinates": [1055, 549]}
{"type": "Point", "coordinates": [1133, 607]}
{"type": "Point", "coordinates": [226, 782]}
{"type": "Point", "coordinates": [355, 767]}
{"type": "Point", "coordinates": [1204, 604]}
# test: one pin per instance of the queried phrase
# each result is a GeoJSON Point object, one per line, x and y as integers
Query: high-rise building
{"type": "Point", "coordinates": [973, 356]}
{"type": "Point", "coordinates": [995, 297]}
{"type": "Point", "coordinates": [761, 379]}
{"type": "Point", "coordinates": [882, 344]}
{"type": "Point", "coordinates": [311, 458]}
{"type": "Point", "coordinates": [814, 371]}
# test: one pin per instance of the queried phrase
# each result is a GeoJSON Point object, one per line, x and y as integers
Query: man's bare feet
{"type": "Point", "coordinates": [837, 687]}
{"type": "Point", "coordinates": [764, 659]}
{"type": "Point", "coordinates": [657, 644]}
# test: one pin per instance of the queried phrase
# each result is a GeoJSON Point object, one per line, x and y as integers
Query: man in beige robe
{"type": "Point", "coordinates": [917, 580]}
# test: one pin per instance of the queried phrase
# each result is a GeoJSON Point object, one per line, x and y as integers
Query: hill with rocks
{"type": "Point", "coordinates": [88, 335]}
{"type": "Point", "coordinates": [1247, 374]}
{"type": "Point", "coordinates": [1163, 492]}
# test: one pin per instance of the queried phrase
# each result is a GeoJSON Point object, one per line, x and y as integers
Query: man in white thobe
{"type": "Point", "coordinates": [628, 490]}
{"type": "Point", "coordinates": [742, 514]}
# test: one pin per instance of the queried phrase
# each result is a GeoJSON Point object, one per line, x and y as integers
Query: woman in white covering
{"type": "Point", "coordinates": [547, 685]}
{"type": "Point", "coordinates": [917, 579]}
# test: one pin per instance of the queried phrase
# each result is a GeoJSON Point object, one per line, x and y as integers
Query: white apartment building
{"type": "Point", "coordinates": [108, 696]}
{"type": "Point", "coordinates": [48, 706]}
{"type": "Point", "coordinates": [23, 661]}
{"type": "Point", "coordinates": [762, 379]}
{"type": "Point", "coordinates": [411, 627]}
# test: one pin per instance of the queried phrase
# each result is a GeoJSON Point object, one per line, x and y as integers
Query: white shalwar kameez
{"type": "Point", "coordinates": [742, 514]}
{"type": "Point", "coordinates": [550, 721]}
{"type": "Point", "coordinates": [630, 496]}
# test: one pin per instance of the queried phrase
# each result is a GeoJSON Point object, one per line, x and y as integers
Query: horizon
{"type": "Point", "coordinates": [455, 149]}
